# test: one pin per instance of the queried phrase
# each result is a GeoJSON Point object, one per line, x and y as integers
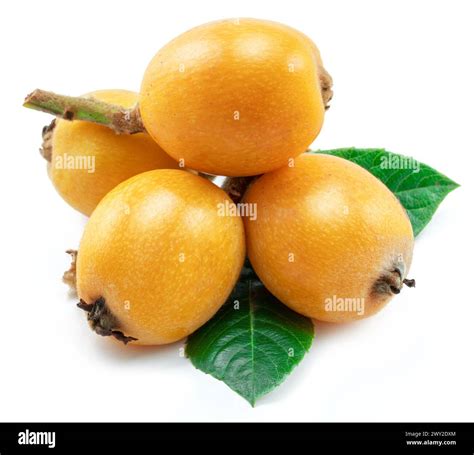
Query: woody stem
{"type": "Point", "coordinates": [119, 119]}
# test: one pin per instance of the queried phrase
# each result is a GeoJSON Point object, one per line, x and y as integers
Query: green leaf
{"type": "Point", "coordinates": [419, 187]}
{"type": "Point", "coordinates": [253, 342]}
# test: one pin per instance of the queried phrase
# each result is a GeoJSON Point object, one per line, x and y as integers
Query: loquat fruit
{"type": "Point", "coordinates": [330, 240]}
{"type": "Point", "coordinates": [235, 97]}
{"type": "Point", "coordinates": [157, 260]}
{"type": "Point", "coordinates": [86, 160]}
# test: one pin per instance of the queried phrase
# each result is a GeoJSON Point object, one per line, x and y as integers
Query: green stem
{"type": "Point", "coordinates": [121, 120]}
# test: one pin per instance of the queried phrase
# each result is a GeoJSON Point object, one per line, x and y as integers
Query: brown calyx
{"type": "Point", "coordinates": [46, 149]}
{"type": "Point", "coordinates": [69, 276]}
{"type": "Point", "coordinates": [325, 81]}
{"type": "Point", "coordinates": [392, 282]}
{"type": "Point", "coordinates": [102, 321]}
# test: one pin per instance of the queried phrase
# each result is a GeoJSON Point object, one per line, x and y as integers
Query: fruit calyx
{"type": "Point", "coordinates": [69, 276]}
{"type": "Point", "coordinates": [102, 321]}
{"type": "Point", "coordinates": [392, 282]}
{"type": "Point", "coordinates": [325, 81]}
{"type": "Point", "coordinates": [46, 149]}
{"type": "Point", "coordinates": [119, 119]}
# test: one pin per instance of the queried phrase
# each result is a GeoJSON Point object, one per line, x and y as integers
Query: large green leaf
{"type": "Point", "coordinates": [419, 187]}
{"type": "Point", "coordinates": [253, 342]}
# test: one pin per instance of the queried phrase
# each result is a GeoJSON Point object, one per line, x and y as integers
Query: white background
{"type": "Point", "coordinates": [404, 80]}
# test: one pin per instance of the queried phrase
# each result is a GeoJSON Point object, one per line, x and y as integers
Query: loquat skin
{"type": "Point", "coordinates": [160, 257]}
{"type": "Point", "coordinates": [330, 240]}
{"type": "Point", "coordinates": [101, 158]}
{"type": "Point", "coordinates": [235, 97]}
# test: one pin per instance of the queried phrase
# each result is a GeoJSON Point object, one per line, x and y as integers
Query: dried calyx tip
{"type": "Point", "coordinates": [46, 149]}
{"type": "Point", "coordinates": [392, 282]}
{"type": "Point", "coordinates": [326, 83]}
{"type": "Point", "coordinates": [69, 276]}
{"type": "Point", "coordinates": [102, 321]}
{"type": "Point", "coordinates": [409, 283]}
